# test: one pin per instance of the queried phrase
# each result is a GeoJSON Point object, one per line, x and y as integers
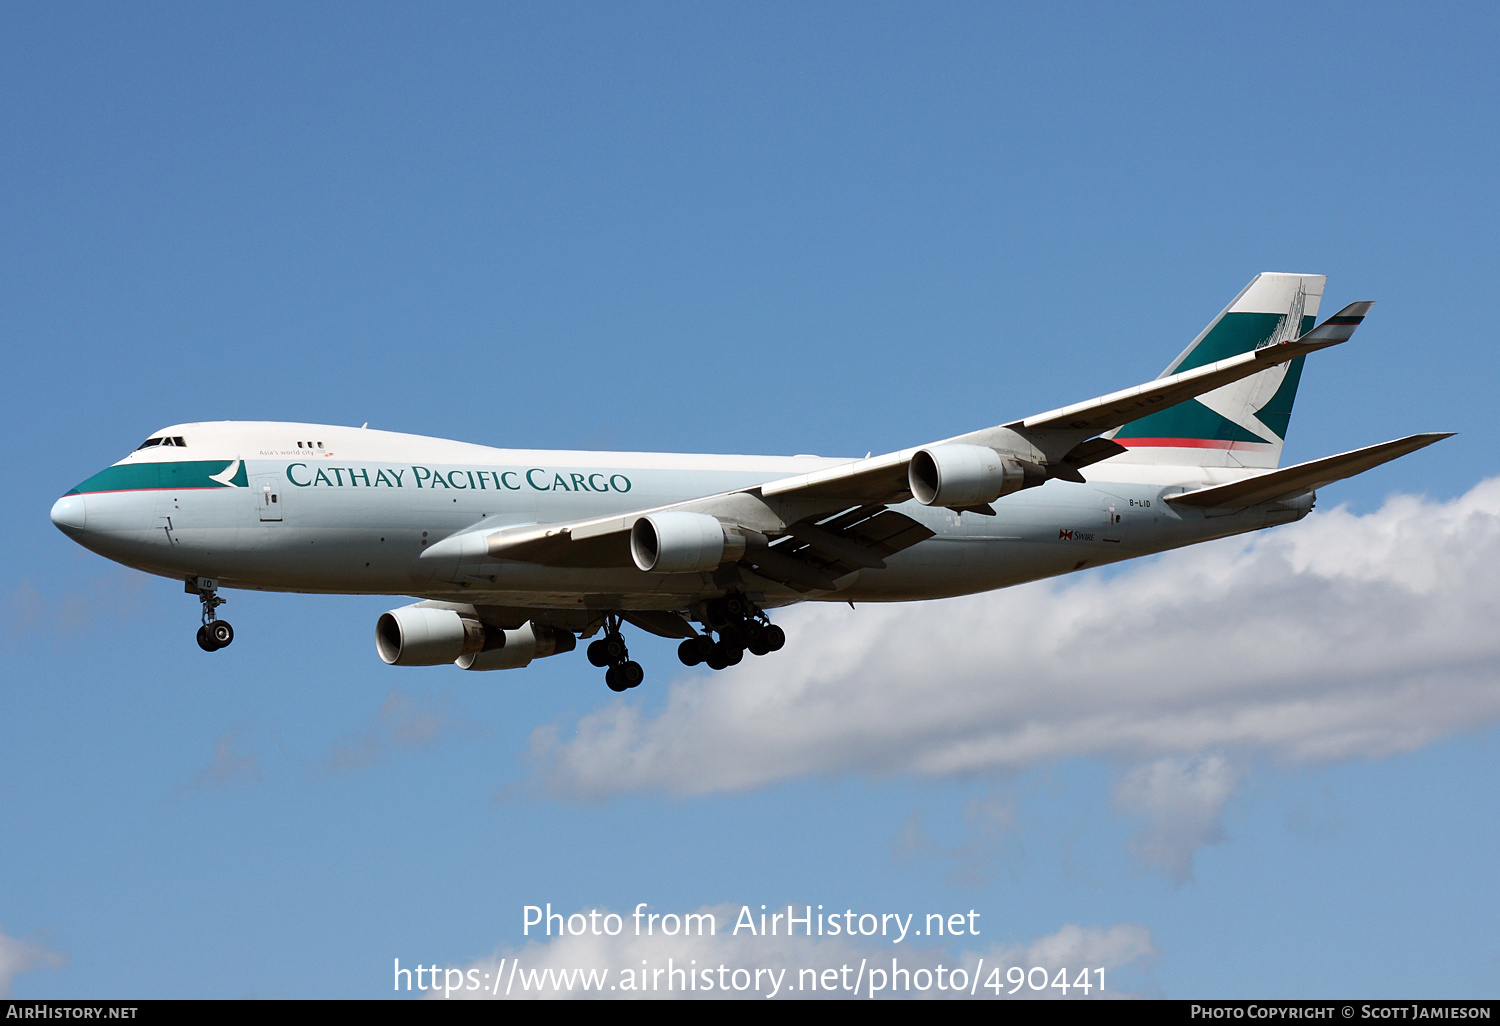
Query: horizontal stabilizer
{"type": "Point", "coordinates": [1304, 476]}
{"type": "Point", "coordinates": [1340, 327]}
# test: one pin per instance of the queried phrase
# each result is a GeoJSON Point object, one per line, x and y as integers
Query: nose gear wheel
{"type": "Point", "coordinates": [215, 633]}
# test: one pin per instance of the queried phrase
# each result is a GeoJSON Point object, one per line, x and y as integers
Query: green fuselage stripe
{"type": "Point", "coordinates": [141, 477]}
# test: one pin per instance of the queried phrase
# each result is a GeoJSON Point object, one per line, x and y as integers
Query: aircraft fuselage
{"type": "Point", "coordinates": [286, 507]}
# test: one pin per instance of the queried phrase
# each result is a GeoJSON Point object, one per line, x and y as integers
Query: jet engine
{"type": "Point", "coordinates": [519, 647]}
{"type": "Point", "coordinates": [958, 476]}
{"type": "Point", "coordinates": [678, 542]}
{"type": "Point", "coordinates": [423, 635]}
{"type": "Point", "coordinates": [426, 636]}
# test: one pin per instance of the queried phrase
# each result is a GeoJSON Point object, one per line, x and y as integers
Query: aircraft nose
{"type": "Point", "coordinates": [68, 514]}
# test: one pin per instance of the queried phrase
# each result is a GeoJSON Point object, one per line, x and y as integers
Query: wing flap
{"type": "Point", "coordinates": [836, 546]}
{"type": "Point", "coordinates": [887, 532]}
{"type": "Point", "coordinates": [778, 566]}
{"type": "Point", "coordinates": [860, 538]}
{"type": "Point", "coordinates": [1303, 477]}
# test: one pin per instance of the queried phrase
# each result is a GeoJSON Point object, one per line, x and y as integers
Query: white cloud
{"type": "Point", "coordinates": [990, 839]}
{"type": "Point", "coordinates": [1180, 800]}
{"type": "Point", "coordinates": [402, 723]}
{"type": "Point", "coordinates": [1337, 638]}
{"type": "Point", "coordinates": [18, 956]}
{"type": "Point", "coordinates": [799, 966]}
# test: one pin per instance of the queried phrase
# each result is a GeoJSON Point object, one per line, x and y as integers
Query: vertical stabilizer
{"type": "Point", "coordinates": [1243, 424]}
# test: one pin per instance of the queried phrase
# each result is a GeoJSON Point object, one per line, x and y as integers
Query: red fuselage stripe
{"type": "Point", "coordinates": [1189, 443]}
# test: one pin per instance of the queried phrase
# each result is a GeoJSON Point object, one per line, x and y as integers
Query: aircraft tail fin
{"type": "Point", "coordinates": [1243, 424]}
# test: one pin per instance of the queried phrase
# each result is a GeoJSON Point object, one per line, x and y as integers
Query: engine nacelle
{"type": "Point", "coordinates": [957, 476]}
{"type": "Point", "coordinates": [678, 542]}
{"type": "Point", "coordinates": [422, 635]}
{"type": "Point", "coordinates": [519, 647]}
{"type": "Point", "coordinates": [426, 636]}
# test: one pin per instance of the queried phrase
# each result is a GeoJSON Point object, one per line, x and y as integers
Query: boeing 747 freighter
{"type": "Point", "coordinates": [516, 554]}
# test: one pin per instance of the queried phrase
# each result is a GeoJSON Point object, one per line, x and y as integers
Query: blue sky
{"type": "Point", "coordinates": [750, 228]}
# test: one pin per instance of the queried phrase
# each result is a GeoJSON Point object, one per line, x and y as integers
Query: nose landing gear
{"type": "Point", "coordinates": [624, 673]}
{"type": "Point", "coordinates": [215, 633]}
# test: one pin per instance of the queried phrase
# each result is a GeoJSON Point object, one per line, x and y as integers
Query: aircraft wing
{"type": "Point", "coordinates": [1288, 481]}
{"type": "Point", "coordinates": [810, 529]}
{"type": "Point", "coordinates": [879, 479]}
{"type": "Point", "coordinates": [806, 552]}
{"type": "Point", "coordinates": [1061, 438]}
{"type": "Point", "coordinates": [1118, 408]}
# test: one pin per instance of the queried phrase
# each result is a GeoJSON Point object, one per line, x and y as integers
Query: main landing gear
{"type": "Point", "coordinates": [741, 628]}
{"type": "Point", "coordinates": [623, 673]}
{"type": "Point", "coordinates": [215, 633]}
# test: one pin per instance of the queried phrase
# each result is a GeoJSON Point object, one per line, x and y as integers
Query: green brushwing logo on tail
{"type": "Point", "coordinates": [1196, 423]}
{"type": "Point", "coordinates": [140, 477]}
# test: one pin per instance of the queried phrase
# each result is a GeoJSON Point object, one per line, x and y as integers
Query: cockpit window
{"type": "Point", "coordinates": [162, 440]}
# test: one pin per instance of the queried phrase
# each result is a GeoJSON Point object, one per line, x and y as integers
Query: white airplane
{"type": "Point", "coordinates": [517, 553]}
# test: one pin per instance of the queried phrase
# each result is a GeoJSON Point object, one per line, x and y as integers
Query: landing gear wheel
{"type": "Point", "coordinates": [758, 646]}
{"type": "Point", "coordinates": [775, 638]}
{"type": "Point", "coordinates": [726, 653]}
{"type": "Point", "coordinates": [695, 650]}
{"type": "Point", "coordinates": [215, 633]}
{"type": "Point", "coordinates": [597, 653]}
{"type": "Point", "coordinates": [610, 650]}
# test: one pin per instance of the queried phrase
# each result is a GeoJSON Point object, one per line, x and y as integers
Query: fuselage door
{"type": "Point", "coordinates": [267, 489]}
{"type": "Point", "coordinates": [1114, 526]}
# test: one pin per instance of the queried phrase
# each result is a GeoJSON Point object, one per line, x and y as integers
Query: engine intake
{"type": "Point", "coordinates": [679, 542]}
{"type": "Point", "coordinates": [958, 476]}
{"type": "Point", "coordinates": [426, 636]}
